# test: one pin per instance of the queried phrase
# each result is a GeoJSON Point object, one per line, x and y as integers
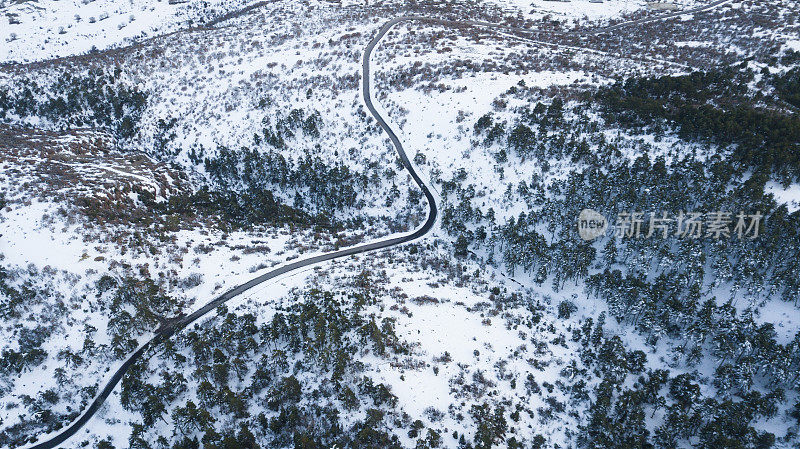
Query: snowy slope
{"type": "Point", "coordinates": [36, 30]}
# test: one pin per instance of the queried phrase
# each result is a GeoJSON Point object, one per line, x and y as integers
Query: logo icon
{"type": "Point", "coordinates": [591, 224]}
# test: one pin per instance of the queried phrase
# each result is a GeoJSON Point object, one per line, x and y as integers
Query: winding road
{"type": "Point", "coordinates": [174, 325]}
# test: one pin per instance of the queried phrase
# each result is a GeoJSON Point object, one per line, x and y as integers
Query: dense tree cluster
{"type": "Point", "coordinates": [788, 86]}
{"type": "Point", "coordinates": [94, 98]}
{"type": "Point", "coordinates": [630, 396]}
{"type": "Point", "coordinates": [235, 209]}
{"type": "Point", "coordinates": [544, 238]}
{"type": "Point", "coordinates": [242, 181]}
{"type": "Point", "coordinates": [300, 365]}
{"type": "Point", "coordinates": [715, 106]}
{"type": "Point", "coordinates": [136, 306]}
{"type": "Point", "coordinates": [21, 296]}
{"type": "Point", "coordinates": [315, 185]}
{"type": "Point", "coordinates": [662, 286]}
{"type": "Point", "coordinates": [294, 124]}
{"type": "Point", "coordinates": [18, 298]}
{"type": "Point", "coordinates": [539, 132]}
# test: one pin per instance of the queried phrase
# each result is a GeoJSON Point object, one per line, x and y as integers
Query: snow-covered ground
{"type": "Point", "coordinates": [226, 86]}
{"type": "Point", "coordinates": [790, 196]}
{"type": "Point", "coordinates": [36, 30]}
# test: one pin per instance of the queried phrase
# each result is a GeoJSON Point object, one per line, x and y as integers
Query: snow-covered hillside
{"type": "Point", "coordinates": [139, 184]}
{"type": "Point", "coordinates": [37, 30]}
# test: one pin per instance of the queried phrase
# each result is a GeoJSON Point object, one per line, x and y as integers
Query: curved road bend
{"type": "Point", "coordinates": [176, 325]}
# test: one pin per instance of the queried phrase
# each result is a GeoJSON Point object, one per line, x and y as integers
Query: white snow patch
{"type": "Point", "coordinates": [790, 196]}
